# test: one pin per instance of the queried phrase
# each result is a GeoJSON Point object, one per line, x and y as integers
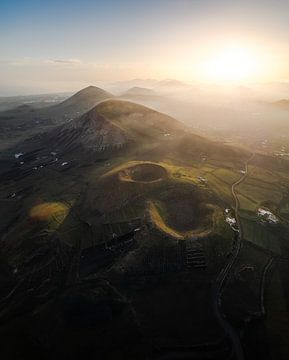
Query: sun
{"type": "Point", "coordinates": [230, 64]}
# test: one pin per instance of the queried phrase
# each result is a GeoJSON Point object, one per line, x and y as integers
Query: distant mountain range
{"type": "Point", "coordinates": [156, 85]}
{"type": "Point", "coordinates": [136, 90]}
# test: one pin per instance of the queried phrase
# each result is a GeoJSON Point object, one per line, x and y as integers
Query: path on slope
{"type": "Point", "coordinates": [224, 274]}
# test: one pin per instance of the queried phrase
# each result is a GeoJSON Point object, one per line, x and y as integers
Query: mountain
{"type": "Point", "coordinates": [135, 86]}
{"type": "Point", "coordinates": [24, 121]}
{"type": "Point", "coordinates": [115, 126]}
{"type": "Point", "coordinates": [109, 126]}
{"type": "Point", "coordinates": [121, 86]}
{"type": "Point", "coordinates": [79, 103]}
{"type": "Point", "coordinates": [172, 85]}
{"type": "Point", "coordinates": [71, 107]}
{"type": "Point", "coordinates": [137, 90]}
{"type": "Point", "coordinates": [144, 96]}
{"type": "Point", "coordinates": [172, 82]}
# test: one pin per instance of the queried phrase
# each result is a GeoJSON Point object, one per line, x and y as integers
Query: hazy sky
{"type": "Point", "coordinates": [62, 45]}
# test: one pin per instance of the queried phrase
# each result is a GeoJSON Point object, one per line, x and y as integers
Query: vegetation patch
{"type": "Point", "coordinates": [49, 212]}
{"type": "Point", "coordinates": [260, 235]}
{"type": "Point", "coordinates": [158, 220]}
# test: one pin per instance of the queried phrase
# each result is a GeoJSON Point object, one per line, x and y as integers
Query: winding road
{"type": "Point", "coordinates": [218, 286]}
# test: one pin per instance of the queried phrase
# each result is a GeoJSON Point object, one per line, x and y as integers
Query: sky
{"type": "Point", "coordinates": [62, 45]}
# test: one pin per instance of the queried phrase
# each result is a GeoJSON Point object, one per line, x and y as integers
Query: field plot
{"type": "Point", "coordinates": [260, 235]}
{"type": "Point", "coordinates": [259, 193]}
{"type": "Point", "coordinates": [227, 175]}
{"type": "Point", "coordinates": [264, 175]}
{"type": "Point", "coordinates": [248, 206]}
{"type": "Point", "coordinates": [277, 304]}
{"type": "Point", "coordinates": [220, 188]}
{"type": "Point", "coordinates": [283, 209]}
{"type": "Point", "coordinates": [263, 188]}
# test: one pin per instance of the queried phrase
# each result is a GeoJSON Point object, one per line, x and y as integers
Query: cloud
{"type": "Point", "coordinates": [16, 62]}
{"type": "Point", "coordinates": [26, 61]}
{"type": "Point", "coordinates": [64, 61]}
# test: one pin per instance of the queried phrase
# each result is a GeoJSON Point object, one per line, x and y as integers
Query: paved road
{"type": "Point", "coordinates": [224, 274]}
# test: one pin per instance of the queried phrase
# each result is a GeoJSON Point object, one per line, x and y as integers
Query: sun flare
{"type": "Point", "coordinates": [230, 64]}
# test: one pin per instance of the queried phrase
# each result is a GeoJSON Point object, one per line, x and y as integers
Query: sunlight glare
{"type": "Point", "coordinates": [230, 64]}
